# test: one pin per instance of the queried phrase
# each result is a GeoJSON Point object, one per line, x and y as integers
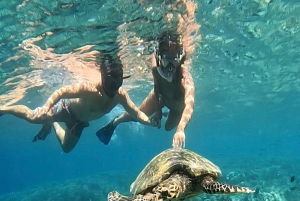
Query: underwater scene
{"type": "Point", "coordinates": [242, 116]}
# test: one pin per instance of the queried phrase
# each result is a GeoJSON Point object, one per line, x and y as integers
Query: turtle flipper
{"type": "Point", "coordinates": [174, 187]}
{"type": "Point", "coordinates": [115, 196]}
{"type": "Point", "coordinates": [220, 188]}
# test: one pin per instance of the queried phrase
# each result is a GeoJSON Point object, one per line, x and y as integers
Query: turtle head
{"type": "Point", "coordinates": [210, 186]}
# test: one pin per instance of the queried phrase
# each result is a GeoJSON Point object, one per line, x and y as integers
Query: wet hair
{"type": "Point", "coordinates": [115, 70]}
{"type": "Point", "coordinates": [112, 75]}
{"type": "Point", "coordinates": [169, 40]}
{"type": "Point", "coordinates": [110, 67]}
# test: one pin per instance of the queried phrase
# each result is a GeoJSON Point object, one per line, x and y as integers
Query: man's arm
{"type": "Point", "coordinates": [132, 109]}
{"type": "Point", "coordinates": [189, 99]}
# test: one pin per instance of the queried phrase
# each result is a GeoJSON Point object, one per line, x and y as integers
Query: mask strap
{"type": "Point", "coordinates": [182, 53]}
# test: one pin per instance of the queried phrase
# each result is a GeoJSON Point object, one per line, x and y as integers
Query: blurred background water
{"type": "Point", "coordinates": [243, 56]}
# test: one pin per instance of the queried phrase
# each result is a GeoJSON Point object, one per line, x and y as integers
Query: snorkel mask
{"type": "Point", "coordinates": [169, 56]}
{"type": "Point", "coordinates": [112, 78]}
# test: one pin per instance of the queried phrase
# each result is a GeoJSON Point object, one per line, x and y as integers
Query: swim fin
{"type": "Point", "coordinates": [105, 133]}
{"type": "Point", "coordinates": [46, 130]}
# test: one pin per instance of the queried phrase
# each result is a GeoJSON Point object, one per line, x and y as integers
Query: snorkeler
{"type": "Point", "coordinates": [77, 104]}
{"type": "Point", "coordinates": [173, 88]}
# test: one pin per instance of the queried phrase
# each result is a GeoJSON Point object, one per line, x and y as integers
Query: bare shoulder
{"type": "Point", "coordinates": [122, 96]}
{"type": "Point", "coordinates": [122, 92]}
{"type": "Point", "coordinates": [85, 86]}
{"type": "Point", "coordinates": [187, 78]}
{"type": "Point", "coordinates": [155, 73]}
{"type": "Point", "coordinates": [81, 87]}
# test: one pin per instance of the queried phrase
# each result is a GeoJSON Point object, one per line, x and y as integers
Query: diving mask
{"type": "Point", "coordinates": [112, 78]}
{"type": "Point", "coordinates": [168, 65]}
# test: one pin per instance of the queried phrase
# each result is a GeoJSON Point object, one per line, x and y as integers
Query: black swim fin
{"type": "Point", "coordinates": [105, 133]}
{"type": "Point", "coordinates": [46, 130]}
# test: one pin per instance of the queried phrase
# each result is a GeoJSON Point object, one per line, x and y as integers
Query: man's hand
{"type": "Point", "coordinates": [179, 140]}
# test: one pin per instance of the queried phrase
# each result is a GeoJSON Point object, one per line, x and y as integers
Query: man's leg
{"type": "Point", "coordinates": [23, 112]}
{"type": "Point", "coordinates": [66, 138]}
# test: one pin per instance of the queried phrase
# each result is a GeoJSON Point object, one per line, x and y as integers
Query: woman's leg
{"type": "Point", "coordinates": [172, 120]}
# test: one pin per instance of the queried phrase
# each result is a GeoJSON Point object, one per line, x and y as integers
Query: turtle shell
{"type": "Point", "coordinates": [171, 161]}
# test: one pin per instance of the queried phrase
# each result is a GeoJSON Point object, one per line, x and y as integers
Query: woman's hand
{"type": "Point", "coordinates": [179, 140]}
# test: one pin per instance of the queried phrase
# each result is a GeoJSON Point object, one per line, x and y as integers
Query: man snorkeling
{"type": "Point", "coordinates": [173, 88]}
{"type": "Point", "coordinates": [77, 104]}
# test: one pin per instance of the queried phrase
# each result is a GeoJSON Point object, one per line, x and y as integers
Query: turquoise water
{"type": "Point", "coordinates": [245, 63]}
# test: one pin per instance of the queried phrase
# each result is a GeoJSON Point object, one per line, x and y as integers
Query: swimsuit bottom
{"type": "Point", "coordinates": [74, 125]}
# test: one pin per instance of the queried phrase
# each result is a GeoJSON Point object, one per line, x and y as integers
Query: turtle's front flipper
{"type": "Point", "coordinates": [214, 187]}
{"type": "Point", "coordinates": [115, 196]}
{"type": "Point", "coordinates": [176, 186]}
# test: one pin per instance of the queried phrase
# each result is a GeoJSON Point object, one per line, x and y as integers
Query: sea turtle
{"type": "Point", "coordinates": [177, 174]}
